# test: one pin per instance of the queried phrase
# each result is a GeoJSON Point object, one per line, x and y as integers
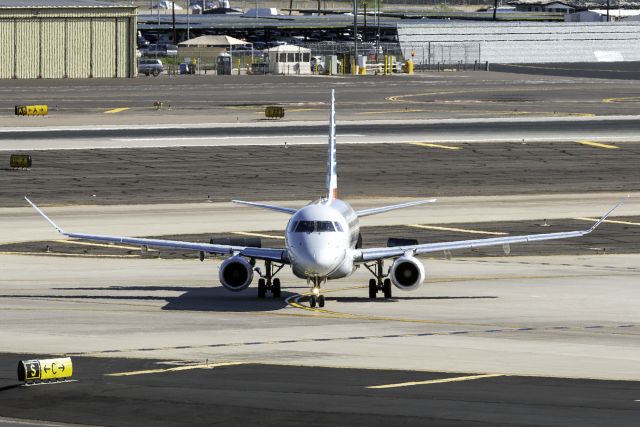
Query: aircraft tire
{"type": "Point", "coordinates": [275, 288]}
{"type": "Point", "coordinates": [262, 288]}
{"type": "Point", "coordinates": [373, 288]}
{"type": "Point", "coordinates": [321, 301]}
{"type": "Point", "coordinates": [312, 301]}
{"type": "Point", "coordinates": [387, 288]}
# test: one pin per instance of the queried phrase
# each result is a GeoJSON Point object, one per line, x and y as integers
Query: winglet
{"type": "Point", "coordinates": [604, 217]}
{"type": "Point", "coordinates": [58, 229]}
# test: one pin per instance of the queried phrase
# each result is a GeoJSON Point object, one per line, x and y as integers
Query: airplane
{"type": "Point", "coordinates": [323, 242]}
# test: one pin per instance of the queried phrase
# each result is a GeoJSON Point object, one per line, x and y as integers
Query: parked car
{"type": "Point", "coordinates": [150, 66]}
{"type": "Point", "coordinates": [160, 50]}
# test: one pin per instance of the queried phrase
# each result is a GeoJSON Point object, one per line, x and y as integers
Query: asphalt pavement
{"type": "Point", "coordinates": [596, 70]}
{"type": "Point", "coordinates": [206, 392]}
{"type": "Point", "coordinates": [197, 174]}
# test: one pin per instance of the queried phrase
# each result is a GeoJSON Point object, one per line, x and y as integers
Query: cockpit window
{"type": "Point", "coordinates": [338, 226]}
{"type": "Point", "coordinates": [324, 226]}
{"type": "Point", "coordinates": [292, 227]}
{"type": "Point", "coordinates": [311, 226]}
{"type": "Point", "coordinates": [305, 227]}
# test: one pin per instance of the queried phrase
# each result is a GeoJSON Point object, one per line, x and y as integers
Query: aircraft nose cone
{"type": "Point", "coordinates": [319, 262]}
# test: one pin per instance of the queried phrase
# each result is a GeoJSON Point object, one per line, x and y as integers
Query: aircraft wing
{"type": "Point", "coordinates": [365, 255]}
{"type": "Point", "coordinates": [277, 255]}
{"type": "Point", "coordinates": [265, 206]}
{"type": "Point", "coordinates": [375, 211]}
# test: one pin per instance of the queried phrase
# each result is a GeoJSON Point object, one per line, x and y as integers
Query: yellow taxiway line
{"type": "Point", "coordinates": [458, 230]}
{"type": "Point", "coordinates": [176, 369]}
{"type": "Point", "coordinates": [116, 110]}
{"type": "Point", "coordinates": [612, 221]}
{"type": "Point", "coordinates": [427, 144]}
{"type": "Point", "coordinates": [598, 144]}
{"type": "Point", "coordinates": [266, 236]}
{"type": "Point", "coordinates": [440, 381]}
{"type": "Point", "coordinates": [294, 301]}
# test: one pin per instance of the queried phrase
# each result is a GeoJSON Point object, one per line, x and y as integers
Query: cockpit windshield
{"type": "Point", "coordinates": [305, 227]}
{"type": "Point", "coordinates": [311, 226]}
{"type": "Point", "coordinates": [324, 226]}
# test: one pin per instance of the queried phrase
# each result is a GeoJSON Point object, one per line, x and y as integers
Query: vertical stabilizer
{"type": "Point", "coordinates": [332, 177]}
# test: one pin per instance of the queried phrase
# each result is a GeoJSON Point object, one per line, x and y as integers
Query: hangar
{"type": "Point", "coordinates": [66, 39]}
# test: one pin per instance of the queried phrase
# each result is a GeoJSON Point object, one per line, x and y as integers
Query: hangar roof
{"type": "Point", "coordinates": [57, 3]}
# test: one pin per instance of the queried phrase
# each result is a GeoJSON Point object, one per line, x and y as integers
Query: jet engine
{"type": "Point", "coordinates": [236, 273]}
{"type": "Point", "coordinates": [407, 273]}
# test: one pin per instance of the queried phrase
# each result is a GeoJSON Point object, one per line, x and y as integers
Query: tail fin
{"type": "Point", "coordinates": [332, 176]}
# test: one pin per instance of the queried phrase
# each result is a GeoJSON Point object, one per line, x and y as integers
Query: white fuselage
{"type": "Point", "coordinates": [321, 238]}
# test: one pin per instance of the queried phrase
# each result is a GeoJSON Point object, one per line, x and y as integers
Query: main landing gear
{"type": "Point", "coordinates": [381, 283]}
{"type": "Point", "coordinates": [267, 282]}
{"type": "Point", "coordinates": [316, 298]}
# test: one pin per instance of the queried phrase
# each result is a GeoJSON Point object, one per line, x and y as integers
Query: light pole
{"type": "Point", "coordinates": [355, 33]}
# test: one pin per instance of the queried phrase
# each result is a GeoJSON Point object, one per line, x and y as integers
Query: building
{"type": "Point", "coordinates": [289, 59]}
{"type": "Point", "coordinates": [520, 42]}
{"type": "Point", "coordinates": [67, 39]}
{"type": "Point", "coordinates": [209, 47]}
{"type": "Point", "coordinates": [585, 16]}
{"type": "Point", "coordinates": [552, 7]}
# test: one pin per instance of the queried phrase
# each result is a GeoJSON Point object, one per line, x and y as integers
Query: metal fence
{"type": "Point", "coordinates": [431, 55]}
{"type": "Point", "coordinates": [368, 49]}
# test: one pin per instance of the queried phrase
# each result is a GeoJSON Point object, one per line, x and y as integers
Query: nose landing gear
{"type": "Point", "coordinates": [267, 282]}
{"type": "Point", "coordinates": [316, 297]}
{"type": "Point", "coordinates": [381, 281]}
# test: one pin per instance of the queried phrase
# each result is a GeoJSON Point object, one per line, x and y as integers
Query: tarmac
{"type": "Point", "coordinates": [547, 335]}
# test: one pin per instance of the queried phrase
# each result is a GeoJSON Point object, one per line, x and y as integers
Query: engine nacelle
{"type": "Point", "coordinates": [236, 273]}
{"type": "Point", "coordinates": [407, 273]}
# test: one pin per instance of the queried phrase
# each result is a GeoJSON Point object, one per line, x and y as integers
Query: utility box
{"type": "Point", "coordinates": [223, 65]}
{"type": "Point", "coordinates": [331, 64]}
{"type": "Point", "coordinates": [362, 64]}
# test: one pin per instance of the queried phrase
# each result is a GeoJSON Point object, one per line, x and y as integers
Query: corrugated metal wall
{"type": "Point", "coordinates": [27, 45]}
{"type": "Point", "coordinates": [7, 49]}
{"type": "Point", "coordinates": [524, 42]}
{"type": "Point", "coordinates": [72, 43]}
{"type": "Point", "coordinates": [52, 50]}
{"type": "Point", "coordinates": [78, 47]}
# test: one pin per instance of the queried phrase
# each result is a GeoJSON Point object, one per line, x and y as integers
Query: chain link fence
{"type": "Point", "coordinates": [437, 55]}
